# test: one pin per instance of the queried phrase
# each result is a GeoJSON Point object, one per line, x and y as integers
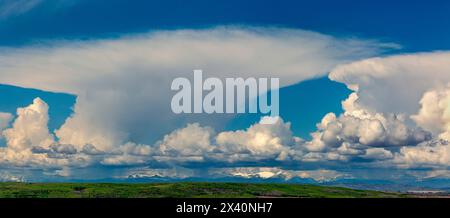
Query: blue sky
{"type": "Point", "coordinates": [103, 66]}
{"type": "Point", "coordinates": [413, 24]}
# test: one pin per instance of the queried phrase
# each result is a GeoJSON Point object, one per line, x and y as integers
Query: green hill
{"type": "Point", "coordinates": [181, 190]}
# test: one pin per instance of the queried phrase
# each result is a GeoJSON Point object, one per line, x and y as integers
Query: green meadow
{"type": "Point", "coordinates": [182, 190]}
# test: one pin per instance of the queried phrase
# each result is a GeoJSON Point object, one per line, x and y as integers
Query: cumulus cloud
{"type": "Point", "coordinates": [340, 139]}
{"type": "Point", "coordinates": [197, 143]}
{"type": "Point", "coordinates": [434, 114]}
{"type": "Point", "coordinates": [91, 150]}
{"type": "Point", "coordinates": [259, 141]}
{"type": "Point", "coordinates": [408, 95]}
{"type": "Point", "coordinates": [435, 153]}
{"type": "Point", "coordinates": [30, 144]}
{"type": "Point", "coordinates": [359, 132]}
{"type": "Point", "coordinates": [127, 154]}
{"type": "Point", "coordinates": [30, 127]}
{"type": "Point", "coordinates": [190, 143]}
{"type": "Point", "coordinates": [123, 97]}
{"type": "Point", "coordinates": [358, 125]}
{"type": "Point", "coordinates": [123, 85]}
{"type": "Point", "coordinates": [378, 154]}
{"type": "Point", "coordinates": [394, 84]}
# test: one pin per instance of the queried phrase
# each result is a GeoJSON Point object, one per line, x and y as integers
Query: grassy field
{"type": "Point", "coordinates": [181, 190]}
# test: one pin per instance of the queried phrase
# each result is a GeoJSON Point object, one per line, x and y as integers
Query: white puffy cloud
{"type": "Point", "coordinates": [29, 130]}
{"type": "Point", "coordinates": [378, 154]}
{"type": "Point", "coordinates": [356, 133]}
{"type": "Point", "coordinates": [127, 154]}
{"type": "Point", "coordinates": [432, 154]}
{"type": "Point", "coordinates": [191, 142]}
{"type": "Point", "coordinates": [30, 144]}
{"type": "Point", "coordinates": [197, 143]}
{"type": "Point", "coordinates": [30, 127]}
{"type": "Point", "coordinates": [34, 147]}
{"type": "Point", "coordinates": [123, 160]}
{"type": "Point", "coordinates": [359, 132]}
{"type": "Point", "coordinates": [394, 84]}
{"type": "Point", "coordinates": [91, 150]}
{"type": "Point", "coordinates": [434, 114]}
{"type": "Point", "coordinates": [413, 87]}
{"type": "Point", "coordinates": [123, 84]}
{"type": "Point", "coordinates": [259, 141]}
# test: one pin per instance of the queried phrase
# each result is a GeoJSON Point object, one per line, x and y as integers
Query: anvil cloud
{"type": "Point", "coordinates": [122, 115]}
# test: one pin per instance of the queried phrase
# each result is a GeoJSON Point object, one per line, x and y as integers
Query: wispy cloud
{"type": "Point", "coordinates": [9, 8]}
{"type": "Point", "coordinates": [13, 8]}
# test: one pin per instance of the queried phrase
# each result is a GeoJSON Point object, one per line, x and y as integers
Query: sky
{"type": "Point", "coordinates": [85, 90]}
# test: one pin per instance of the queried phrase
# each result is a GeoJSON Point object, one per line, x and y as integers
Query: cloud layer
{"type": "Point", "coordinates": [123, 85]}
{"type": "Point", "coordinates": [396, 117]}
